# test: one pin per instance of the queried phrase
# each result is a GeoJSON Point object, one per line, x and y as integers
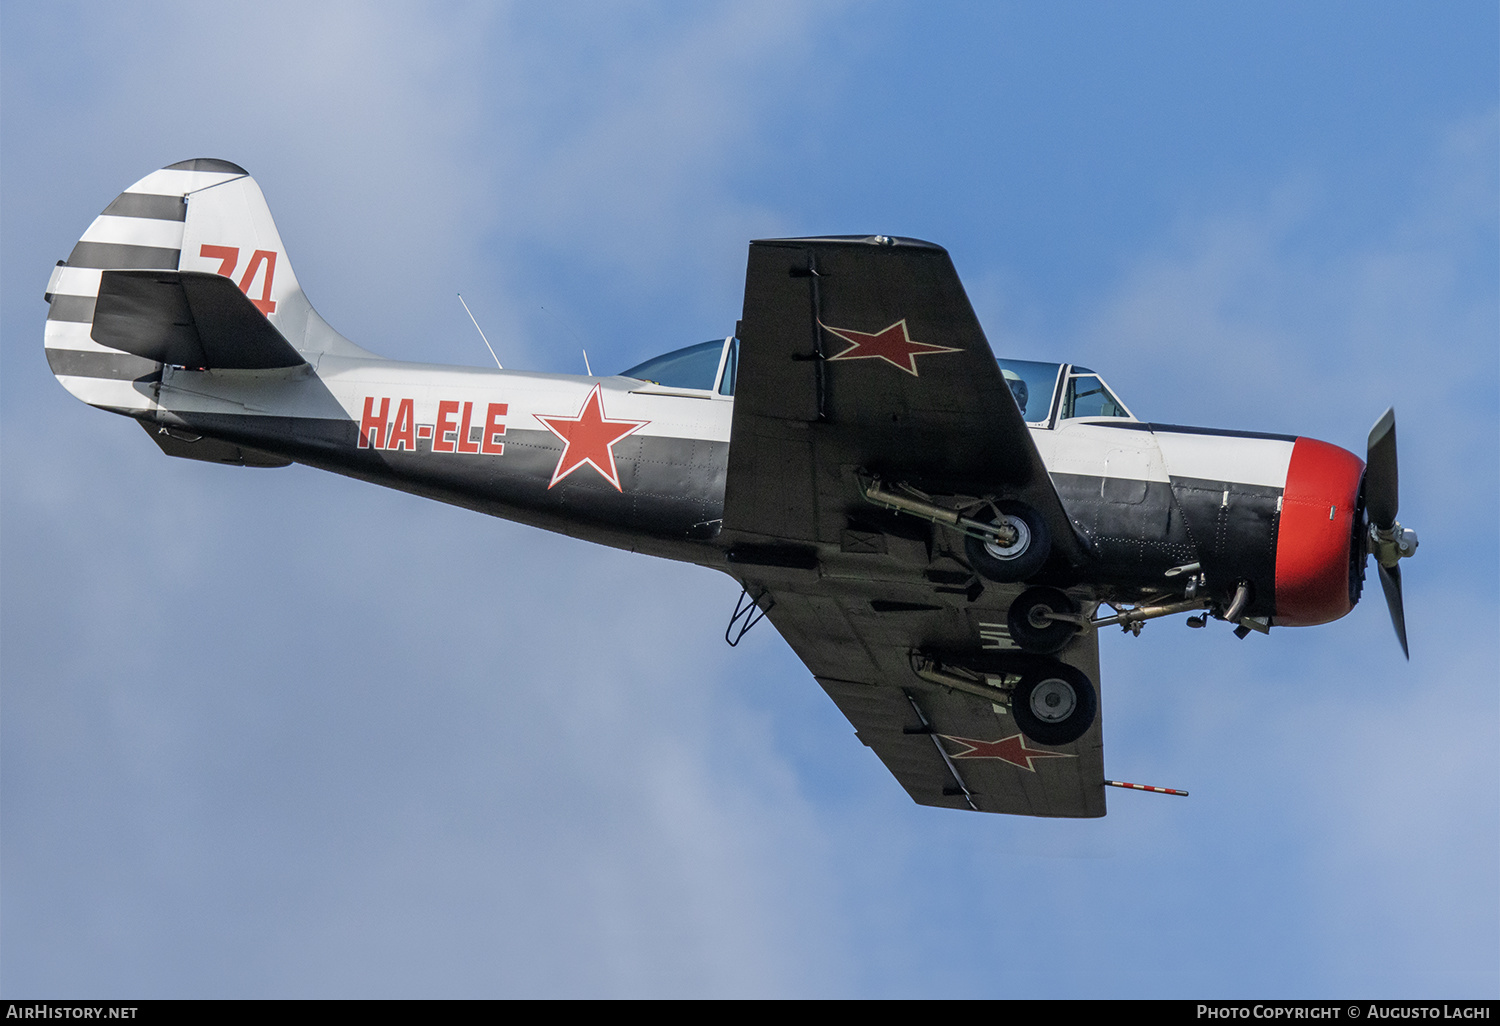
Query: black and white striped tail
{"type": "Point", "coordinates": [196, 215]}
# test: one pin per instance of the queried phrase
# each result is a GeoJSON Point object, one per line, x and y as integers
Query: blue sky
{"type": "Point", "coordinates": [276, 733]}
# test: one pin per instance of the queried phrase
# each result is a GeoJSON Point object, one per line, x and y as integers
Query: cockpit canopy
{"type": "Point", "coordinates": [1052, 392]}
{"type": "Point", "coordinates": [700, 368]}
{"type": "Point", "coordinates": [1045, 392]}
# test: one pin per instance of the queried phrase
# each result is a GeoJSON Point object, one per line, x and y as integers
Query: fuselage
{"type": "Point", "coordinates": [640, 465]}
{"type": "Point", "coordinates": [639, 460]}
{"type": "Point", "coordinates": [615, 460]}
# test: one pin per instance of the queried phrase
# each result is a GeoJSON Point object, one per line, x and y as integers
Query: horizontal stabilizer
{"type": "Point", "coordinates": [187, 318]}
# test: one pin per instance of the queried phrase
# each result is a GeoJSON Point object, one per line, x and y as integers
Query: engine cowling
{"type": "Point", "coordinates": [1318, 568]}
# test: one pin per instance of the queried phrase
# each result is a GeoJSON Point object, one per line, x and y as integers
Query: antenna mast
{"type": "Point", "coordinates": [480, 330]}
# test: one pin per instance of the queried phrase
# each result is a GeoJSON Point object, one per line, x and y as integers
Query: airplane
{"type": "Point", "coordinates": [934, 531]}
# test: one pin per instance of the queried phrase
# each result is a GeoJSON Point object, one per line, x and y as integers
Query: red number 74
{"type": "Point", "coordinates": [229, 256]}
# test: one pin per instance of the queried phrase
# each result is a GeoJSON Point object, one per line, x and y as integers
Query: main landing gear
{"type": "Point", "coordinates": [1008, 543]}
{"type": "Point", "coordinates": [1053, 703]}
{"type": "Point", "coordinates": [1017, 545]}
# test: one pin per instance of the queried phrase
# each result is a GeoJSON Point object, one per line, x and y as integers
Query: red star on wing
{"type": "Point", "coordinates": [893, 345]}
{"type": "Point", "coordinates": [1009, 749]}
{"type": "Point", "coordinates": [589, 438]}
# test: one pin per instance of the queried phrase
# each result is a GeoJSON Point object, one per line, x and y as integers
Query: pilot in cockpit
{"type": "Point", "coordinates": [1017, 388]}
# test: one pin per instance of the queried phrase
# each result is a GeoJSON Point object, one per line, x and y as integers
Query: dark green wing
{"type": "Point", "coordinates": [863, 357]}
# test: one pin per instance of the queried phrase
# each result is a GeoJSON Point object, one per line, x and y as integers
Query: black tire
{"type": "Point", "coordinates": [1054, 704]}
{"type": "Point", "coordinates": [1020, 561]}
{"type": "Point", "coordinates": [1053, 636]}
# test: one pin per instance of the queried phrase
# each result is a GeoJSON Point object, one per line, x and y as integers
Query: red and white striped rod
{"type": "Point", "coordinates": [1146, 787]}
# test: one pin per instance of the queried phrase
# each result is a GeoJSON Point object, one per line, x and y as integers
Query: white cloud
{"type": "Point", "coordinates": [1248, 318]}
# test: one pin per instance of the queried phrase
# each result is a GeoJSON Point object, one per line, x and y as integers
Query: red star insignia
{"type": "Point", "coordinates": [893, 345]}
{"type": "Point", "coordinates": [589, 438]}
{"type": "Point", "coordinates": [1008, 749]}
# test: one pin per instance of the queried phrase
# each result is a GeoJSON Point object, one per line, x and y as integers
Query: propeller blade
{"type": "Point", "coordinates": [1381, 485]}
{"type": "Point", "coordinates": [1390, 583]}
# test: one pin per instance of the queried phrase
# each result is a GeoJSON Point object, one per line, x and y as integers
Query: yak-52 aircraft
{"type": "Point", "coordinates": [933, 530]}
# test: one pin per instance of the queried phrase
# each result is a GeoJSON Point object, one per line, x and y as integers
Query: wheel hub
{"type": "Point", "coordinates": [1053, 700]}
{"type": "Point", "coordinates": [1021, 539]}
{"type": "Point", "coordinates": [1040, 616]}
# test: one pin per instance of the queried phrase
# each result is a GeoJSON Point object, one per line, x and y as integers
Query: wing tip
{"type": "Point", "coordinates": [884, 241]}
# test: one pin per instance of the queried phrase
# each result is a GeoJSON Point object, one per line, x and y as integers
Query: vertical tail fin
{"type": "Point", "coordinates": [196, 215]}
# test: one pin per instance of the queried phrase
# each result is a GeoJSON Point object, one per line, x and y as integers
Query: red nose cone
{"type": "Point", "coordinates": [1315, 534]}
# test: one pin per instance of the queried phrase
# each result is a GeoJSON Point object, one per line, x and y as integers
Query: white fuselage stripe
{"type": "Point", "coordinates": [1252, 461]}
{"type": "Point", "coordinates": [1099, 450]}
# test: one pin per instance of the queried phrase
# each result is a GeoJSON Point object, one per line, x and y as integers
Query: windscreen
{"type": "Point", "coordinates": [693, 367]}
{"type": "Point", "coordinates": [1089, 397]}
{"type": "Point", "coordinates": [1032, 383]}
